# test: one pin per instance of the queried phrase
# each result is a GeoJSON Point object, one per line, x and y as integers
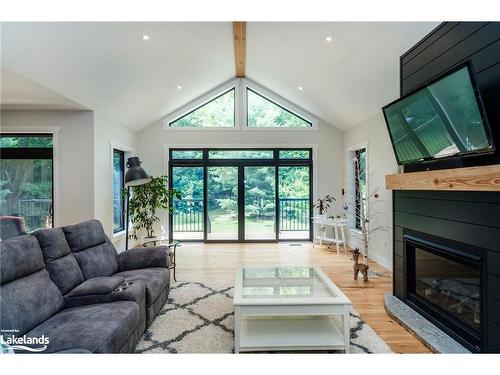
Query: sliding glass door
{"type": "Point", "coordinates": [260, 203]}
{"type": "Point", "coordinates": [187, 220]}
{"type": "Point", "coordinates": [222, 203]}
{"type": "Point", "coordinates": [26, 180]}
{"type": "Point", "coordinates": [294, 202]}
{"type": "Point", "coordinates": [241, 194]}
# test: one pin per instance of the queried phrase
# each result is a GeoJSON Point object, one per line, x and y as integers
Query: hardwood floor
{"type": "Point", "coordinates": [212, 263]}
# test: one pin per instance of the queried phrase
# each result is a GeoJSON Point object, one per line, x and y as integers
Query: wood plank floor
{"type": "Point", "coordinates": [213, 263]}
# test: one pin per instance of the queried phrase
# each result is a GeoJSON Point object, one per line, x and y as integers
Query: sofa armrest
{"type": "Point", "coordinates": [128, 291]}
{"type": "Point", "coordinates": [143, 257]}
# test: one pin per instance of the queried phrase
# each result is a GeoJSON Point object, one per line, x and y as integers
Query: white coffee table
{"type": "Point", "coordinates": [289, 308]}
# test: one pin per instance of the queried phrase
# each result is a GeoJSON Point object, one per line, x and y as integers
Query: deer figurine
{"type": "Point", "coordinates": [359, 267]}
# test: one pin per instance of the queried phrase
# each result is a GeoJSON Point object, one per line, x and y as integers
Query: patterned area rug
{"type": "Point", "coordinates": [198, 318]}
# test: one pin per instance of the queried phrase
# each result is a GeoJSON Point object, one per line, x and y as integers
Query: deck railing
{"type": "Point", "coordinates": [188, 215]}
{"type": "Point", "coordinates": [35, 211]}
{"type": "Point", "coordinates": [293, 215]}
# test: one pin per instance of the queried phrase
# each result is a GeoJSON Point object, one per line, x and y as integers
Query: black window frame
{"type": "Point", "coordinates": [233, 89]}
{"type": "Point", "coordinates": [122, 187]}
{"type": "Point", "coordinates": [27, 153]}
{"type": "Point", "coordinates": [357, 190]}
{"type": "Point", "coordinates": [278, 105]}
{"type": "Point", "coordinates": [276, 162]}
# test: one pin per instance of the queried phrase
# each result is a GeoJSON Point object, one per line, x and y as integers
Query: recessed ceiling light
{"type": "Point", "coordinates": [328, 38]}
{"type": "Point", "coordinates": [145, 37]}
{"type": "Point", "coordinates": [300, 88]}
{"type": "Point", "coordinates": [179, 87]}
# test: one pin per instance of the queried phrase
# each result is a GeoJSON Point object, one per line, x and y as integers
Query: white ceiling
{"type": "Point", "coordinates": [107, 67]}
{"type": "Point", "coordinates": [19, 92]}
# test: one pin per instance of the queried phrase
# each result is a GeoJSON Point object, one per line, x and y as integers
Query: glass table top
{"type": "Point", "coordinates": [283, 282]}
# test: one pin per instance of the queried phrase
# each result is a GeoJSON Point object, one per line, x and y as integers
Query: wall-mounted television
{"type": "Point", "coordinates": [443, 118]}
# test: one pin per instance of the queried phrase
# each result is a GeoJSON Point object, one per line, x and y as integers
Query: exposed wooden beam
{"type": "Point", "coordinates": [483, 178]}
{"type": "Point", "coordinates": [239, 32]}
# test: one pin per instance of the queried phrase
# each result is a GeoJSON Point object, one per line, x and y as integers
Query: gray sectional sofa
{"type": "Point", "coordinates": [70, 285]}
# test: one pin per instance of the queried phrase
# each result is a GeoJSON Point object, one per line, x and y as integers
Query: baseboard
{"type": "Point", "coordinates": [355, 240]}
{"type": "Point", "coordinates": [384, 262]}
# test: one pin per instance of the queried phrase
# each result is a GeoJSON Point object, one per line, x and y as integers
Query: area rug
{"type": "Point", "coordinates": [199, 318]}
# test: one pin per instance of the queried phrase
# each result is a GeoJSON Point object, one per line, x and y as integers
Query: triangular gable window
{"type": "Point", "coordinates": [217, 113]}
{"type": "Point", "coordinates": [263, 113]}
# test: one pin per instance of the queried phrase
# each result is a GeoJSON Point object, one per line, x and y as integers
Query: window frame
{"type": "Point", "coordinates": [122, 187]}
{"type": "Point", "coordinates": [203, 105]}
{"type": "Point", "coordinates": [206, 162]}
{"type": "Point", "coordinates": [129, 151]}
{"type": "Point", "coordinates": [240, 86]}
{"type": "Point", "coordinates": [37, 153]}
{"type": "Point", "coordinates": [277, 105]}
{"type": "Point", "coordinates": [349, 183]}
{"type": "Point", "coordinates": [357, 190]}
{"type": "Point", "coordinates": [200, 102]}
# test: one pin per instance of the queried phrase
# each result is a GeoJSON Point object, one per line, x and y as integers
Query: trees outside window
{"type": "Point", "coordinates": [360, 184]}
{"type": "Point", "coordinates": [263, 113]}
{"type": "Point", "coordinates": [26, 178]}
{"type": "Point", "coordinates": [217, 113]}
{"type": "Point", "coordinates": [241, 104]}
{"type": "Point", "coordinates": [118, 186]}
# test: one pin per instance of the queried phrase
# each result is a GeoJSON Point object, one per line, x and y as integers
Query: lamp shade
{"type": "Point", "coordinates": [136, 175]}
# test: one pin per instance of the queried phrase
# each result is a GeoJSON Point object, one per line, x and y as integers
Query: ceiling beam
{"type": "Point", "coordinates": [239, 32]}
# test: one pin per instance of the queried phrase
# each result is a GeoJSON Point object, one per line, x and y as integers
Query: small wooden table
{"type": "Point", "coordinates": [172, 247]}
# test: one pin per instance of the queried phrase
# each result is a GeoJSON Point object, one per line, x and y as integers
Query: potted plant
{"type": "Point", "coordinates": [323, 204]}
{"type": "Point", "coordinates": [146, 200]}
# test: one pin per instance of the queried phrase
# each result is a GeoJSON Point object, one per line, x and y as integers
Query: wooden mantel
{"type": "Point", "coordinates": [483, 178]}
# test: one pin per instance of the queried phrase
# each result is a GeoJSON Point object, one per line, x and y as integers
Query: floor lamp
{"type": "Point", "coordinates": [135, 176]}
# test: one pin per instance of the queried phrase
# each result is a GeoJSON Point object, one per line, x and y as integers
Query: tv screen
{"type": "Point", "coordinates": [442, 119]}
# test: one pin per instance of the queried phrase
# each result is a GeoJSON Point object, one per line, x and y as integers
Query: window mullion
{"type": "Point", "coordinates": [240, 104]}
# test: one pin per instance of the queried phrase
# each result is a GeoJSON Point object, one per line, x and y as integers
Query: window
{"type": "Point", "coordinates": [359, 161]}
{"type": "Point", "coordinates": [26, 179]}
{"type": "Point", "coordinates": [263, 113]}
{"type": "Point", "coordinates": [240, 104]}
{"type": "Point", "coordinates": [187, 154]}
{"type": "Point", "coordinates": [26, 141]}
{"type": "Point", "coordinates": [295, 154]}
{"type": "Point", "coordinates": [240, 154]}
{"type": "Point", "coordinates": [241, 194]}
{"type": "Point", "coordinates": [118, 186]}
{"type": "Point", "coordinates": [217, 113]}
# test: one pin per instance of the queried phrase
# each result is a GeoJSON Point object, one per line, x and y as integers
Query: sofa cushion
{"type": "Point", "coordinates": [102, 328]}
{"type": "Point", "coordinates": [19, 256]}
{"type": "Point", "coordinates": [92, 249]}
{"type": "Point", "coordinates": [81, 236]}
{"type": "Point", "coordinates": [60, 262]}
{"type": "Point", "coordinates": [28, 301]}
{"type": "Point", "coordinates": [53, 243]}
{"type": "Point", "coordinates": [156, 280]}
{"type": "Point", "coordinates": [97, 285]}
{"type": "Point", "coordinates": [97, 261]}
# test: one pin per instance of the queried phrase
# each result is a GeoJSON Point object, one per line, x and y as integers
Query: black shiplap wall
{"type": "Point", "coordinates": [468, 217]}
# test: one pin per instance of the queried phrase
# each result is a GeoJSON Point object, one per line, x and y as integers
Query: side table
{"type": "Point", "coordinates": [172, 248]}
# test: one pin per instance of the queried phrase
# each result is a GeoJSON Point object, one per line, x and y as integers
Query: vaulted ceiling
{"type": "Point", "coordinates": [110, 68]}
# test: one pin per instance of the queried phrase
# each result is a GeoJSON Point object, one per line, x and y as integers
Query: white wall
{"type": "Point", "coordinates": [75, 157]}
{"type": "Point", "coordinates": [329, 142]}
{"type": "Point", "coordinates": [381, 161]}
{"type": "Point", "coordinates": [108, 134]}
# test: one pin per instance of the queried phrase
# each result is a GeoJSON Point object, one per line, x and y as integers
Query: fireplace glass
{"type": "Point", "coordinates": [451, 284]}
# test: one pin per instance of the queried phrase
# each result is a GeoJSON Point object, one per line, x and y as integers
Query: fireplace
{"type": "Point", "coordinates": [444, 284]}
